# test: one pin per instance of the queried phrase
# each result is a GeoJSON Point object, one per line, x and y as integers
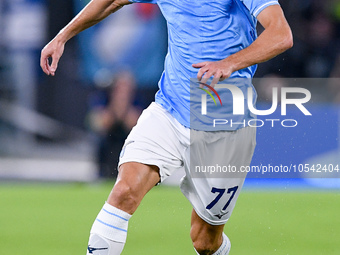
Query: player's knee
{"type": "Point", "coordinates": [125, 197]}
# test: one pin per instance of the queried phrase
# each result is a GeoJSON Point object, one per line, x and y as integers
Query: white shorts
{"type": "Point", "coordinates": [159, 139]}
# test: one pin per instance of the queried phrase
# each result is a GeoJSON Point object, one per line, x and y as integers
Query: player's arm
{"type": "Point", "coordinates": [92, 13]}
{"type": "Point", "coordinates": [275, 39]}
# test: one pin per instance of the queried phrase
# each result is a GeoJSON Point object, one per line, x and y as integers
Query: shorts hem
{"type": "Point", "coordinates": [209, 221]}
{"type": "Point", "coordinates": [145, 162]}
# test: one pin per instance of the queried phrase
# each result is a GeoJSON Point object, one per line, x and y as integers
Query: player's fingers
{"type": "Point", "coordinates": [199, 65]}
{"type": "Point", "coordinates": [54, 65]}
{"type": "Point", "coordinates": [216, 79]}
{"type": "Point", "coordinates": [44, 63]}
{"type": "Point", "coordinates": [201, 72]}
{"type": "Point", "coordinates": [203, 69]}
{"type": "Point", "coordinates": [206, 77]}
{"type": "Point", "coordinates": [47, 66]}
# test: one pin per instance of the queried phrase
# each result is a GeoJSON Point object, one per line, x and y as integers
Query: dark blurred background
{"type": "Point", "coordinates": [64, 118]}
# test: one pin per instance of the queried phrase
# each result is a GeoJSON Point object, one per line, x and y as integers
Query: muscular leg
{"type": "Point", "coordinates": [109, 230]}
{"type": "Point", "coordinates": [206, 238]}
{"type": "Point", "coordinates": [133, 182]}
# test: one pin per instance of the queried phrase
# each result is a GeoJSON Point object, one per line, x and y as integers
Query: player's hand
{"type": "Point", "coordinates": [54, 50]}
{"type": "Point", "coordinates": [221, 70]}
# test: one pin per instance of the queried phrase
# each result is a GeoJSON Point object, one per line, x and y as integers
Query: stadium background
{"type": "Point", "coordinates": [49, 191]}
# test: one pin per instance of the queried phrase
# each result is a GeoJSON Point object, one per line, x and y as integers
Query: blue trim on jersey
{"type": "Point", "coordinates": [111, 226]}
{"type": "Point", "coordinates": [113, 214]}
{"type": "Point", "coordinates": [256, 6]}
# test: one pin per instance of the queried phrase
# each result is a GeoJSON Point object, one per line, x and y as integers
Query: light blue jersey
{"type": "Point", "coordinates": [198, 31]}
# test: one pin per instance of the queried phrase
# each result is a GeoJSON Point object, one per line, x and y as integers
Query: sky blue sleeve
{"type": "Point", "coordinates": [256, 6]}
{"type": "Point", "coordinates": [144, 1]}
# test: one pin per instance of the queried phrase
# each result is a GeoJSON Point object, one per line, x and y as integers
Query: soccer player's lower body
{"type": "Point", "coordinates": [156, 147]}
